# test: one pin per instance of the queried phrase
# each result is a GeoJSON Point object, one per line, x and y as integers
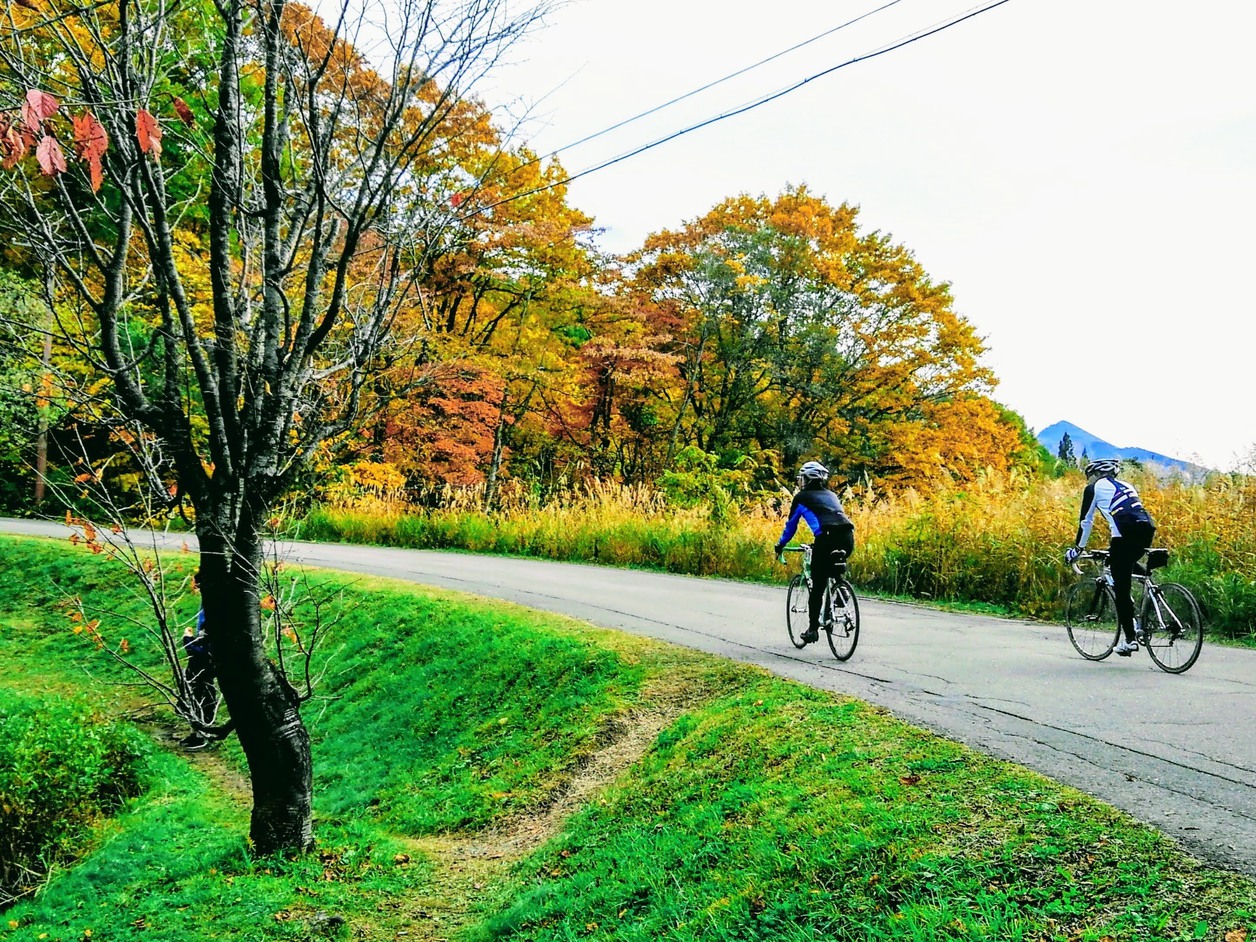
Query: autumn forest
{"type": "Point", "coordinates": [773, 328]}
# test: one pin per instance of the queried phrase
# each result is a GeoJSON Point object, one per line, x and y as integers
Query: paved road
{"type": "Point", "coordinates": [1177, 752]}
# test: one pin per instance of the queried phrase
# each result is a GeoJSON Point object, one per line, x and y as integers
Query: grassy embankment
{"type": "Point", "coordinates": [998, 542]}
{"type": "Point", "coordinates": [486, 772]}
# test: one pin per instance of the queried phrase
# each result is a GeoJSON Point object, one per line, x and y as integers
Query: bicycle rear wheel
{"type": "Point", "coordinates": [796, 610]}
{"type": "Point", "coordinates": [1091, 618]}
{"type": "Point", "coordinates": [1173, 627]}
{"type": "Point", "coordinates": [842, 610]}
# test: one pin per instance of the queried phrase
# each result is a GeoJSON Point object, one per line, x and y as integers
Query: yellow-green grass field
{"type": "Point", "coordinates": [996, 542]}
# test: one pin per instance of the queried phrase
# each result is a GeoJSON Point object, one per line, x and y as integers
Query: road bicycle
{"type": "Point", "coordinates": [1170, 625]}
{"type": "Point", "coordinates": [839, 616]}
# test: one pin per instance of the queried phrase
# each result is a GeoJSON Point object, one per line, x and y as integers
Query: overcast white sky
{"type": "Point", "coordinates": [1082, 171]}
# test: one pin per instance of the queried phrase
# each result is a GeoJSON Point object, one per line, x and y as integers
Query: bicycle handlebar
{"type": "Point", "coordinates": [1100, 555]}
{"type": "Point", "coordinates": [810, 548]}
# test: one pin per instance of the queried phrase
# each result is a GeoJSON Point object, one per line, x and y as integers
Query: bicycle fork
{"type": "Point", "coordinates": [1155, 607]}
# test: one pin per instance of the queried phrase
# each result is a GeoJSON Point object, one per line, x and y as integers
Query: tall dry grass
{"type": "Point", "coordinates": [998, 540]}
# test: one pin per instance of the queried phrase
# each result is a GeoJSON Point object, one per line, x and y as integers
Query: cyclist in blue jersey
{"type": "Point", "coordinates": [200, 678]}
{"type": "Point", "coordinates": [1132, 532]}
{"type": "Point", "coordinates": [833, 530]}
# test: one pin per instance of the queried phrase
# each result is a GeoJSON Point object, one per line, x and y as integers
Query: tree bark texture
{"type": "Point", "coordinates": [264, 706]}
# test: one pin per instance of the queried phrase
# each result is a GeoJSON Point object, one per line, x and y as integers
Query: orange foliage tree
{"type": "Point", "coordinates": [496, 319]}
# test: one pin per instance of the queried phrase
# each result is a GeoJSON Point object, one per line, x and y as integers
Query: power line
{"type": "Point", "coordinates": [720, 81]}
{"type": "Point", "coordinates": [898, 44]}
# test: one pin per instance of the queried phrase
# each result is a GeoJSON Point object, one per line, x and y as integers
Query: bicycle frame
{"type": "Point", "coordinates": [839, 567]}
{"type": "Point", "coordinates": [1166, 618]}
{"type": "Point", "coordinates": [806, 550]}
{"type": "Point", "coordinates": [1166, 614]}
{"type": "Point", "coordinates": [1144, 579]}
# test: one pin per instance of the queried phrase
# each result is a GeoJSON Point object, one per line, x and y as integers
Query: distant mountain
{"type": "Point", "coordinates": [1095, 447]}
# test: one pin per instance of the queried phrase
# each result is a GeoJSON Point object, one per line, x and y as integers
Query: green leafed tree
{"type": "Point", "coordinates": [1065, 450]}
{"type": "Point", "coordinates": [24, 401]}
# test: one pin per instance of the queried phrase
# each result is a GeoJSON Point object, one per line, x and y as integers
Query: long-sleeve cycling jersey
{"type": "Point", "coordinates": [819, 507]}
{"type": "Point", "coordinates": [1117, 501]}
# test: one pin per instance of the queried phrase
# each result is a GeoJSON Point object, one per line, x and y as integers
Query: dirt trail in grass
{"type": "Point", "coordinates": [225, 776]}
{"type": "Point", "coordinates": [469, 865]}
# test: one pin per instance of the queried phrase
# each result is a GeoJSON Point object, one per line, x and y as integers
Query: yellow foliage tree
{"type": "Point", "coordinates": [797, 331]}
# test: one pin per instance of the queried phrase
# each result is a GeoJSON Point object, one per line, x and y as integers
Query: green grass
{"type": "Point", "coordinates": [451, 727]}
{"type": "Point", "coordinates": [432, 749]}
{"type": "Point", "coordinates": [175, 866]}
{"type": "Point", "coordinates": [777, 814]}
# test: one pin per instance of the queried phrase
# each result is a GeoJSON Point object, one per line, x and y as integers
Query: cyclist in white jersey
{"type": "Point", "coordinates": [1132, 533]}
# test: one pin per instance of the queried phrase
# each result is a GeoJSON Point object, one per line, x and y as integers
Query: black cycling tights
{"type": "Point", "coordinates": [1123, 559]}
{"type": "Point", "coordinates": [837, 538]}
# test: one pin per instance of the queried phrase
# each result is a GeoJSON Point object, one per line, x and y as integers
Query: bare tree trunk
{"type": "Point", "coordinates": [691, 384]}
{"type": "Point", "coordinates": [264, 707]}
{"type": "Point", "coordinates": [495, 463]}
{"type": "Point", "coordinates": [41, 440]}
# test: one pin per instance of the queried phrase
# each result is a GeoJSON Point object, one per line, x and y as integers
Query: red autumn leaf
{"type": "Point", "coordinates": [148, 131]}
{"type": "Point", "coordinates": [90, 142]}
{"type": "Point", "coordinates": [184, 112]}
{"type": "Point", "coordinates": [37, 106]}
{"type": "Point", "coordinates": [51, 159]}
{"type": "Point", "coordinates": [456, 200]}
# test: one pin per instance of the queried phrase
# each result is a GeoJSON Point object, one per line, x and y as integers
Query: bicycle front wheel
{"type": "Point", "coordinates": [842, 609]}
{"type": "Point", "coordinates": [796, 610]}
{"type": "Point", "coordinates": [1173, 626]}
{"type": "Point", "coordinates": [1091, 619]}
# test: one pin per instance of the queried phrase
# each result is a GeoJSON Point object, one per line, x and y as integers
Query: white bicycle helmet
{"type": "Point", "coordinates": [813, 471]}
{"type": "Point", "coordinates": [1103, 467]}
